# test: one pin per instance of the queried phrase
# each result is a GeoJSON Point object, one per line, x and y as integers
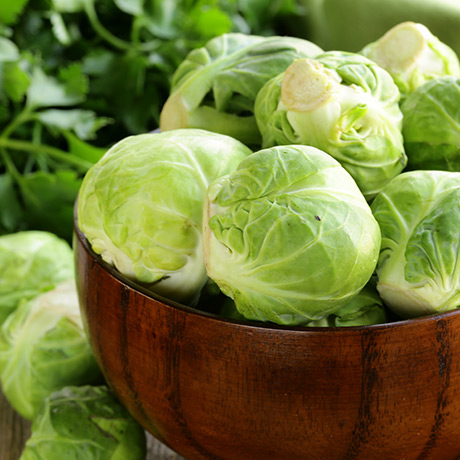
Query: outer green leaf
{"type": "Point", "coordinates": [341, 103]}
{"type": "Point", "coordinates": [413, 56]}
{"type": "Point", "coordinates": [431, 125]}
{"type": "Point", "coordinates": [31, 263]}
{"type": "Point", "coordinates": [43, 347]}
{"type": "Point", "coordinates": [419, 215]}
{"type": "Point", "coordinates": [216, 86]}
{"type": "Point", "coordinates": [289, 236]}
{"type": "Point", "coordinates": [141, 206]}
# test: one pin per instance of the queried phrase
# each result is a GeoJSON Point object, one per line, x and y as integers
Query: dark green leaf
{"type": "Point", "coordinates": [82, 149]}
{"type": "Point", "coordinates": [10, 210]}
{"type": "Point", "coordinates": [50, 200]}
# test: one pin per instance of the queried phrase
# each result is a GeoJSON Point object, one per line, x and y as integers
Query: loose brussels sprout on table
{"type": "Point", "coordinates": [431, 126]}
{"type": "Point", "coordinates": [216, 86]}
{"type": "Point", "coordinates": [419, 216]}
{"type": "Point", "coordinates": [413, 56]}
{"type": "Point", "coordinates": [31, 262]}
{"type": "Point", "coordinates": [43, 347]}
{"type": "Point", "coordinates": [141, 206]}
{"type": "Point", "coordinates": [341, 103]}
{"type": "Point", "coordinates": [84, 423]}
{"type": "Point", "coordinates": [289, 236]}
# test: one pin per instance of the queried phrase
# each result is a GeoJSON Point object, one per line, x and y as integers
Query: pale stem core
{"type": "Point", "coordinates": [307, 85]}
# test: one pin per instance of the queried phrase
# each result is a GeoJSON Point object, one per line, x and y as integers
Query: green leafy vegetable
{"type": "Point", "coordinates": [141, 206]}
{"type": "Point", "coordinates": [412, 55]}
{"type": "Point", "coordinates": [431, 125]}
{"type": "Point", "coordinates": [43, 347]}
{"type": "Point", "coordinates": [419, 216]}
{"type": "Point", "coordinates": [341, 103]}
{"type": "Point", "coordinates": [216, 86]}
{"type": "Point", "coordinates": [289, 236]}
{"type": "Point", "coordinates": [31, 262]}
{"type": "Point", "coordinates": [85, 423]}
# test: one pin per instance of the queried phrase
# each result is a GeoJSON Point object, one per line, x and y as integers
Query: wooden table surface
{"type": "Point", "coordinates": [14, 431]}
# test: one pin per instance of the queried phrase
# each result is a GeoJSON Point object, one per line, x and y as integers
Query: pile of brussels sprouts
{"type": "Point", "coordinates": [47, 370]}
{"type": "Point", "coordinates": [291, 185]}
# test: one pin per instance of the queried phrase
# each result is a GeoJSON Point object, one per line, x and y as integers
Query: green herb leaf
{"type": "Point", "coordinates": [82, 149]}
{"type": "Point", "coordinates": [50, 200]}
{"type": "Point", "coordinates": [10, 10]}
{"type": "Point", "coordinates": [15, 81]}
{"type": "Point", "coordinates": [46, 91]}
{"type": "Point", "coordinates": [8, 50]}
{"type": "Point", "coordinates": [10, 210]}
{"type": "Point", "coordinates": [83, 122]}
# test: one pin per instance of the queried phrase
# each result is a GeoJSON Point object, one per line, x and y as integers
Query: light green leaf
{"type": "Point", "coordinates": [68, 6]}
{"type": "Point", "coordinates": [83, 122]}
{"type": "Point", "coordinates": [59, 28]}
{"type": "Point", "coordinates": [8, 50]}
{"type": "Point", "coordinates": [134, 7]}
{"type": "Point", "coordinates": [47, 91]}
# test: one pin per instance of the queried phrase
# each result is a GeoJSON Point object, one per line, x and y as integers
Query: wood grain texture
{"type": "Point", "coordinates": [14, 432]}
{"type": "Point", "coordinates": [218, 389]}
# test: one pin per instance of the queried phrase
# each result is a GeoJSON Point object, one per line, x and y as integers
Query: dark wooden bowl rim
{"type": "Point", "coordinates": [254, 325]}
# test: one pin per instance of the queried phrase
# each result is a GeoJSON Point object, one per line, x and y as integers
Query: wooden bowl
{"type": "Point", "coordinates": [212, 388]}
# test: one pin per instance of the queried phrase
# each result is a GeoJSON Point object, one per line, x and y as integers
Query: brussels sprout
{"type": "Point", "coordinates": [84, 423]}
{"type": "Point", "coordinates": [431, 125]}
{"type": "Point", "coordinates": [43, 347]}
{"type": "Point", "coordinates": [419, 216]}
{"type": "Point", "coordinates": [31, 262]}
{"type": "Point", "coordinates": [141, 206]}
{"type": "Point", "coordinates": [341, 103]}
{"type": "Point", "coordinates": [216, 86]}
{"type": "Point", "coordinates": [364, 309]}
{"type": "Point", "coordinates": [289, 236]}
{"type": "Point", "coordinates": [412, 55]}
